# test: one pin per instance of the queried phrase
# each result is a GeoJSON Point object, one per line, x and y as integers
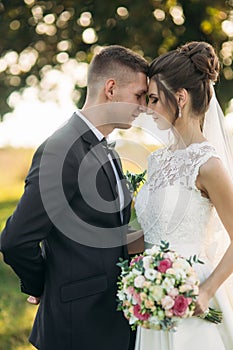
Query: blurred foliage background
{"type": "Point", "coordinates": [41, 39]}
{"type": "Point", "coordinates": [37, 36]}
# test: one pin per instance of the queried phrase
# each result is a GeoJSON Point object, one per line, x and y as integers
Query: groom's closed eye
{"type": "Point", "coordinates": [140, 94]}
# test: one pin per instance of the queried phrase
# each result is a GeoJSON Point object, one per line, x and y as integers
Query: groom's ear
{"type": "Point", "coordinates": [109, 89]}
{"type": "Point", "coordinates": [182, 97]}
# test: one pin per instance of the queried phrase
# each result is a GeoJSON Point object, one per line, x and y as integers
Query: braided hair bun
{"type": "Point", "coordinates": [204, 58]}
{"type": "Point", "coordinates": [193, 67]}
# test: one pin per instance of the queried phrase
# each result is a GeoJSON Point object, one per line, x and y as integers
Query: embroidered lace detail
{"type": "Point", "coordinates": [168, 167]}
{"type": "Point", "coordinates": [169, 206]}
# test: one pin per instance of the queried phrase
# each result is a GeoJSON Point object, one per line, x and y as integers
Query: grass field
{"type": "Point", "coordinates": [16, 315]}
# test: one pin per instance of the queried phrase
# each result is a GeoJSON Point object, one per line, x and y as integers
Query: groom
{"type": "Point", "coordinates": [68, 230]}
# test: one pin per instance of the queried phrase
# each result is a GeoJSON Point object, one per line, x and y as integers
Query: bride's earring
{"type": "Point", "coordinates": [180, 112]}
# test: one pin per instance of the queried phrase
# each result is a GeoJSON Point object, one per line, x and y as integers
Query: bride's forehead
{"type": "Point", "coordinates": [152, 86]}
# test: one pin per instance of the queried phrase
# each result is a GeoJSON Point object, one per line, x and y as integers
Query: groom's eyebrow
{"type": "Point", "coordinates": [142, 92]}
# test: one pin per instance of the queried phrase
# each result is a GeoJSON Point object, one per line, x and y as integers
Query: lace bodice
{"type": "Point", "coordinates": [169, 206]}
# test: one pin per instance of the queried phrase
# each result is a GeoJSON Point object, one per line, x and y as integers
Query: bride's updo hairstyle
{"type": "Point", "coordinates": [193, 67]}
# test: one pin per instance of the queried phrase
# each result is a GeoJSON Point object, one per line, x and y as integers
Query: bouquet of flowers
{"type": "Point", "coordinates": [134, 181]}
{"type": "Point", "coordinates": [158, 289]}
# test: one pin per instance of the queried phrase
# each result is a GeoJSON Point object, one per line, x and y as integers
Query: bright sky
{"type": "Point", "coordinates": [32, 120]}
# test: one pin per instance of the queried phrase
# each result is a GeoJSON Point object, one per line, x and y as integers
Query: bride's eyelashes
{"type": "Point", "coordinates": [153, 98]}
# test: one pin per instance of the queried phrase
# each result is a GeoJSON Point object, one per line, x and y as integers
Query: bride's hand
{"type": "Point", "coordinates": [202, 302]}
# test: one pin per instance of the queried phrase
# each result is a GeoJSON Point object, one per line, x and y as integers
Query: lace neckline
{"type": "Point", "coordinates": [168, 148]}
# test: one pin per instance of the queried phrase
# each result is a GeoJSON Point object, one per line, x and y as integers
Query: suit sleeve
{"type": "Point", "coordinates": [30, 224]}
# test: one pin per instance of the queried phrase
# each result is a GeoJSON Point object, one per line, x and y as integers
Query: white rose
{"type": "Point", "coordinates": [155, 249]}
{"type": "Point", "coordinates": [157, 292]}
{"type": "Point", "coordinates": [181, 264]}
{"type": "Point", "coordinates": [127, 277]}
{"type": "Point", "coordinates": [121, 295]}
{"type": "Point", "coordinates": [136, 272]}
{"type": "Point", "coordinates": [133, 319]}
{"type": "Point", "coordinates": [146, 262]}
{"type": "Point", "coordinates": [191, 280]}
{"type": "Point", "coordinates": [168, 284]}
{"type": "Point", "coordinates": [139, 281]}
{"type": "Point", "coordinates": [171, 271]}
{"type": "Point", "coordinates": [185, 288]}
{"type": "Point", "coordinates": [180, 273]}
{"type": "Point", "coordinates": [150, 274]}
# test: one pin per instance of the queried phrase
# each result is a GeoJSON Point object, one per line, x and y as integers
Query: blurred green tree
{"type": "Point", "coordinates": [37, 36]}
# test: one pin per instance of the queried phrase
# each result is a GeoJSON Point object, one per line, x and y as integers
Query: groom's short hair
{"type": "Point", "coordinates": [115, 62]}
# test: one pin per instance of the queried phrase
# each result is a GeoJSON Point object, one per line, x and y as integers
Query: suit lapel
{"type": "Point", "coordinates": [94, 146]}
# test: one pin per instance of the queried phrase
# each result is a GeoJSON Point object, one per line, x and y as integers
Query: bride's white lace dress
{"type": "Point", "coordinates": [170, 207]}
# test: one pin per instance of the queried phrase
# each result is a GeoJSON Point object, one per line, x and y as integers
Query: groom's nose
{"type": "Point", "coordinates": [143, 100]}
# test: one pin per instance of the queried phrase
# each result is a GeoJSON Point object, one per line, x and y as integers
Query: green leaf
{"type": "Point", "coordinates": [134, 180]}
{"type": "Point", "coordinates": [164, 246]}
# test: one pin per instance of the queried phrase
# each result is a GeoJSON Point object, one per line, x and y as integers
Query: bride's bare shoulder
{"type": "Point", "coordinates": [213, 172]}
{"type": "Point", "coordinates": [211, 166]}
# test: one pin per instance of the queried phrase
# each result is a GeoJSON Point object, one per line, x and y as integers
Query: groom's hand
{"type": "Point", "coordinates": [33, 300]}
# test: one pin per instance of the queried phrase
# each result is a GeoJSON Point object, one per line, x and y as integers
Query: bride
{"type": "Point", "coordinates": [187, 181]}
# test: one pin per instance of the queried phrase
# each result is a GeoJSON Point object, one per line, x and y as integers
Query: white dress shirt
{"type": "Point", "coordinates": [100, 136]}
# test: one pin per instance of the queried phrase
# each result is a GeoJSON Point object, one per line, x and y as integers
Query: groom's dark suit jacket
{"type": "Point", "coordinates": [64, 246]}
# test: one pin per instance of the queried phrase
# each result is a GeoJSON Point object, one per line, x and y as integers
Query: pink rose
{"type": "Point", "coordinates": [136, 259]}
{"type": "Point", "coordinates": [180, 306]}
{"type": "Point", "coordinates": [137, 298]}
{"type": "Point", "coordinates": [139, 315]}
{"type": "Point", "coordinates": [130, 290]}
{"type": "Point", "coordinates": [164, 265]}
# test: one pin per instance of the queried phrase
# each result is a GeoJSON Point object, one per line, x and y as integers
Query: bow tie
{"type": "Point", "coordinates": [107, 146]}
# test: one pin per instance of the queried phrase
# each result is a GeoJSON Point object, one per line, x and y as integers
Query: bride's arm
{"type": "Point", "coordinates": [135, 242]}
{"type": "Point", "coordinates": [214, 180]}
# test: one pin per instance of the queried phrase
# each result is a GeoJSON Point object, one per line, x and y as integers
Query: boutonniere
{"type": "Point", "coordinates": [134, 181]}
